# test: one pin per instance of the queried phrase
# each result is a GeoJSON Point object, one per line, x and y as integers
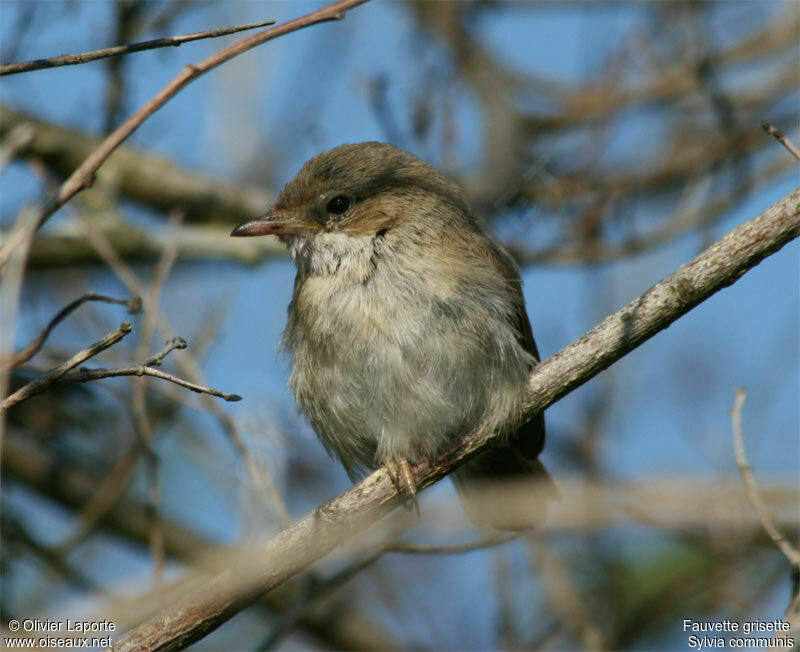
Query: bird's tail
{"type": "Point", "coordinates": [504, 489]}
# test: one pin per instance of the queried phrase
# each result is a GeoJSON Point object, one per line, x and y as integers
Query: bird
{"type": "Point", "coordinates": [407, 328]}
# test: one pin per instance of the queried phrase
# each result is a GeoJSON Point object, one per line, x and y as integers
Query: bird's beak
{"type": "Point", "coordinates": [274, 223]}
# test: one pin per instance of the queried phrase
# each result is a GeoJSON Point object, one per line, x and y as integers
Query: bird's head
{"type": "Point", "coordinates": [357, 190]}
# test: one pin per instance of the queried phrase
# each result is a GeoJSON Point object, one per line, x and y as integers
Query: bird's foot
{"type": "Point", "coordinates": [402, 476]}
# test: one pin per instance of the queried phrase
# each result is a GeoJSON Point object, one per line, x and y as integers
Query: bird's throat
{"type": "Point", "coordinates": [347, 257]}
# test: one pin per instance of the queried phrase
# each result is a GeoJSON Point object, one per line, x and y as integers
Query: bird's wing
{"type": "Point", "coordinates": [528, 439]}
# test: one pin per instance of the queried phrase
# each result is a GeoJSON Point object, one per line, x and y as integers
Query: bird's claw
{"type": "Point", "coordinates": [402, 476]}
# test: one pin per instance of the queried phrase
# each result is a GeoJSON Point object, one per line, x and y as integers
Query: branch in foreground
{"type": "Point", "coordinates": [328, 526]}
{"type": "Point", "coordinates": [46, 381]}
{"type": "Point", "coordinates": [94, 55]}
{"type": "Point", "coordinates": [133, 305]}
{"type": "Point", "coordinates": [127, 520]}
{"type": "Point", "coordinates": [82, 177]}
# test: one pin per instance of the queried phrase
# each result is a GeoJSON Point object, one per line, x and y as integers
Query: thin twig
{"type": "Point", "coordinates": [84, 375]}
{"type": "Point", "coordinates": [133, 305]}
{"type": "Point", "coordinates": [258, 473]}
{"type": "Point", "coordinates": [85, 57]}
{"type": "Point", "coordinates": [83, 176]}
{"type": "Point", "coordinates": [776, 133]}
{"type": "Point", "coordinates": [141, 421]}
{"type": "Point", "coordinates": [488, 541]}
{"type": "Point", "coordinates": [47, 380]}
{"type": "Point", "coordinates": [791, 553]}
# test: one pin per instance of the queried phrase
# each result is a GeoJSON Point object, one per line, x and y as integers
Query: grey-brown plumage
{"type": "Point", "coordinates": [407, 328]}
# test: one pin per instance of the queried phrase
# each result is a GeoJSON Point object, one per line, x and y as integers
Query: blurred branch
{"type": "Point", "coordinates": [489, 541]}
{"type": "Point", "coordinates": [340, 519]}
{"type": "Point", "coordinates": [85, 57]}
{"type": "Point", "coordinates": [142, 423]}
{"type": "Point", "coordinates": [15, 141]}
{"type": "Point", "coordinates": [133, 306]}
{"type": "Point", "coordinates": [143, 178]}
{"type": "Point", "coordinates": [46, 381]}
{"type": "Point", "coordinates": [595, 174]}
{"type": "Point", "coordinates": [322, 590]}
{"type": "Point", "coordinates": [789, 551]}
{"type": "Point", "coordinates": [83, 176]}
{"type": "Point", "coordinates": [100, 244]}
{"type": "Point", "coordinates": [342, 626]}
{"type": "Point", "coordinates": [70, 247]}
{"type": "Point", "coordinates": [572, 251]}
{"type": "Point", "coordinates": [776, 133]}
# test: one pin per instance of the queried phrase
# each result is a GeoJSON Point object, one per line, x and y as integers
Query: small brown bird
{"type": "Point", "coordinates": [407, 328]}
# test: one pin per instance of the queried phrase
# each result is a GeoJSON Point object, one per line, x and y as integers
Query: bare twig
{"type": "Point", "coordinates": [791, 553]}
{"type": "Point", "coordinates": [85, 57]}
{"type": "Point", "coordinates": [776, 133]}
{"type": "Point", "coordinates": [109, 253]}
{"type": "Point", "coordinates": [133, 305]}
{"type": "Point", "coordinates": [84, 375]}
{"type": "Point", "coordinates": [47, 380]}
{"type": "Point", "coordinates": [82, 177]}
{"type": "Point", "coordinates": [488, 541]}
{"type": "Point", "coordinates": [321, 531]}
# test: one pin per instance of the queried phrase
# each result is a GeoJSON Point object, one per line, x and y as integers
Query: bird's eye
{"type": "Point", "coordinates": [338, 205]}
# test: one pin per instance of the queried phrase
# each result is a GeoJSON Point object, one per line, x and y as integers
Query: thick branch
{"type": "Point", "coordinates": [341, 518]}
{"type": "Point", "coordinates": [341, 626]}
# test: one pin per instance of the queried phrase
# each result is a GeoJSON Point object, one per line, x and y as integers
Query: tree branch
{"type": "Point", "coordinates": [84, 375]}
{"type": "Point", "coordinates": [94, 55]}
{"type": "Point", "coordinates": [46, 381]}
{"type": "Point", "coordinates": [82, 177]}
{"type": "Point", "coordinates": [139, 176]}
{"type": "Point", "coordinates": [127, 519]}
{"type": "Point", "coordinates": [328, 526]}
